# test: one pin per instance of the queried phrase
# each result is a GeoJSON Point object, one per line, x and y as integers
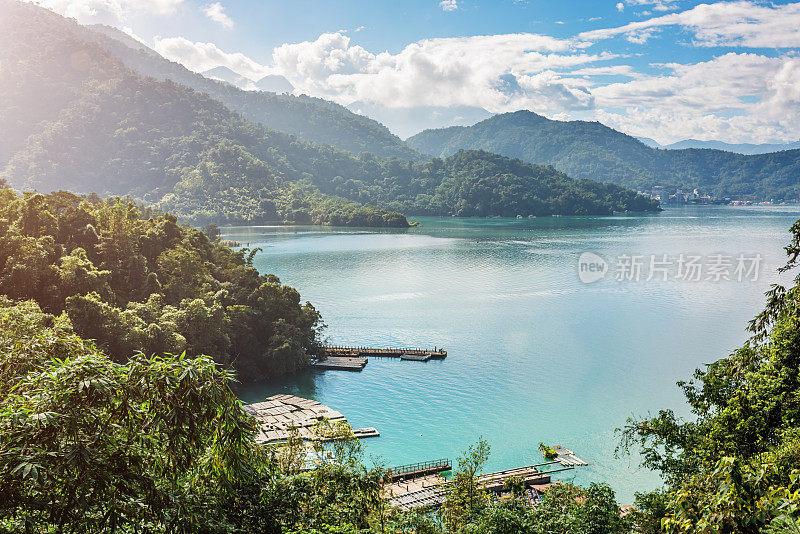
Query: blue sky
{"type": "Point", "coordinates": [667, 69]}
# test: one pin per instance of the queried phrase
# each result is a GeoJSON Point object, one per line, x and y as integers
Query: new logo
{"type": "Point", "coordinates": [591, 267]}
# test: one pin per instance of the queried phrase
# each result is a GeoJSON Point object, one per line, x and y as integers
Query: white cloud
{"type": "Point", "coordinates": [657, 5]}
{"type": "Point", "coordinates": [620, 6]}
{"type": "Point", "coordinates": [216, 12]}
{"type": "Point", "coordinates": [608, 70]}
{"type": "Point", "coordinates": [203, 56]}
{"type": "Point", "coordinates": [109, 11]}
{"type": "Point", "coordinates": [495, 72]}
{"type": "Point", "coordinates": [734, 97]}
{"type": "Point", "coordinates": [640, 36]}
{"type": "Point", "coordinates": [742, 24]}
{"type": "Point", "coordinates": [449, 5]}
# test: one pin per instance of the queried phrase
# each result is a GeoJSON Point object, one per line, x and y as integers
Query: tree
{"type": "Point", "coordinates": [98, 446]}
{"type": "Point", "coordinates": [465, 496]}
{"type": "Point", "coordinates": [211, 230]}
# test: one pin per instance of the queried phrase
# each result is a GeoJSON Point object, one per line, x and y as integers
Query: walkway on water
{"type": "Point", "coordinates": [341, 358]}
{"type": "Point", "coordinates": [410, 471]}
{"type": "Point", "coordinates": [422, 486]}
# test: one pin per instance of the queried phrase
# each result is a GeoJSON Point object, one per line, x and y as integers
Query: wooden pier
{"type": "Point", "coordinates": [411, 471]}
{"type": "Point", "coordinates": [430, 490]}
{"type": "Point", "coordinates": [355, 358]}
{"type": "Point", "coordinates": [414, 354]}
{"type": "Point", "coordinates": [530, 475]}
{"type": "Point", "coordinates": [421, 485]}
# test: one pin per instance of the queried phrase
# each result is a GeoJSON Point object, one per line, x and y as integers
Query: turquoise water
{"type": "Point", "coordinates": [534, 353]}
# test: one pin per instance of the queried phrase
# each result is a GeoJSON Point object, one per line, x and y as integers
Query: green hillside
{"type": "Point", "coordinates": [477, 183]}
{"type": "Point", "coordinates": [591, 150]}
{"type": "Point", "coordinates": [140, 283]}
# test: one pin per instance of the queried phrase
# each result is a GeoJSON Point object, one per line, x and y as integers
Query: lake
{"type": "Point", "coordinates": [535, 354]}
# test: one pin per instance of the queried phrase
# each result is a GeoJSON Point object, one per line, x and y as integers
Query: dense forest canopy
{"type": "Point", "coordinates": [597, 152]}
{"type": "Point", "coordinates": [186, 153]}
{"type": "Point", "coordinates": [147, 284]}
{"type": "Point", "coordinates": [478, 183]}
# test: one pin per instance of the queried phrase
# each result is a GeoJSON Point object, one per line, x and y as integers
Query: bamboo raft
{"type": "Point", "coordinates": [566, 457]}
{"type": "Point", "coordinates": [280, 417]}
{"type": "Point", "coordinates": [428, 497]}
{"type": "Point", "coordinates": [340, 363]}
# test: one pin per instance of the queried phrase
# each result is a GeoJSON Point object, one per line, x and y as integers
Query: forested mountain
{"type": "Point", "coordinates": [591, 150]}
{"type": "Point", "coordinates": [478, 183]}
{"type": "Point", "coordinates": [312, 119]}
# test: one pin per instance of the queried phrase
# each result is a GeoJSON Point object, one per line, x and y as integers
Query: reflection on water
{"type": "Point", "coordinates": [534, 354]}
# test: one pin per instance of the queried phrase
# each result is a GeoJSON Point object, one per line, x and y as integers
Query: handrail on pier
{"type": "Point", "coordinates": [442, 464]}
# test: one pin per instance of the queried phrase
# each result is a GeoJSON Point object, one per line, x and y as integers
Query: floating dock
{"type": "Point", "coordinates": [340, 363]}
{"type": "Point", "coordinates": [355, 358]}
{"type": "Point", "coordinates": [566, 457]}
{"type": "Point", "coordinates": [281, 416]}
{"type": "Point", "coordinates": [368, 432]}
{"type": "Point", "coordinates": [415, 354]}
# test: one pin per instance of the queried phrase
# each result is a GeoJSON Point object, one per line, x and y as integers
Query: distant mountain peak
{"type": "Point", "coordinates": [275, 83]}
{"type": "Point", "coordinates": [228, 75]}
{"type": "Point", "coordinates": [522, 115]}
{"type": "Point", "coordinates": [652, 143]}
{"type": "Point", "coordinates": [221, 71]}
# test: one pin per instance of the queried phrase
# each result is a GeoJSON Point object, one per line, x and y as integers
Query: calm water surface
{"type": "Point", "coordinates": [534, 353]}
